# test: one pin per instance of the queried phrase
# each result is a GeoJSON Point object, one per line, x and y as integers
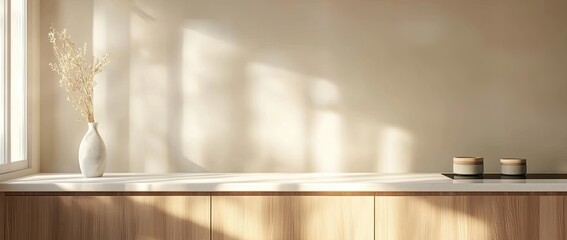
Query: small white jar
{"type": "Point", "coordinates": [468, 165]}
{"type": "Point", "coordinates": [513, 166]}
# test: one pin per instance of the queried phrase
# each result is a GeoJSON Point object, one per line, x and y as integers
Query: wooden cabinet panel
{"type": "Point", "coordinates": [107, 217]}
{"type": "Point", "coordinates": [292, 217]}
{"type": "Point", "coordinates": [470, 217]}
{"type": "Point", "coordinates": [2, 216]}
{"type": "Point", "coordinates": [168, 217]}
{"type": "Point", "coordinates": [254, 217]}
{"type": "Point", "coordinates": [284, 217]}
{"type": "Point", "coordinates": [552, 216]}
{"type": "Point", "coordinates": [409, 217]}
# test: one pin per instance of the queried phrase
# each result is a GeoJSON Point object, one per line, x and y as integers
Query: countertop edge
{"type": "Point", "coordinates": [269, 183]}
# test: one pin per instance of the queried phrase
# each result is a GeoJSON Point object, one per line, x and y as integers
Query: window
{"type": "Point", "coordinates": [13, 89]}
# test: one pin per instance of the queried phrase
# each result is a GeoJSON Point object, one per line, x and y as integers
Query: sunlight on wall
{"type": "Point", "coordinates": [326, 127]}
{"type": "Point", "coordinates": [148, 98]}
{"type": "Point", "coordinates": [324, 93]}
{"type": "Point", "coordinates": [179, 75]}
{"type": "Point", "coordinates": [278, 117]}
{"type": "Point", "coordinates": [193, 132]}
{"type": "Point", "coordinates": [326, 141]}
{"type": "Point", "coordinates": [111, 34]}
{"type": "Point", "coordinates": [208, 73]}
{"type": "Point", "coordinates": [394, 151]}
{"type": "Point", "coordinates": [100, 47]}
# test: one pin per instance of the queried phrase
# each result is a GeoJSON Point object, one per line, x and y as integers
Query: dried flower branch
{"type": "Point", "coordinates": [76, 74]}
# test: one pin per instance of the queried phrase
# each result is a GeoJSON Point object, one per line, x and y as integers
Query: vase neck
{"type": "Point", "coordinates": [93, 125]}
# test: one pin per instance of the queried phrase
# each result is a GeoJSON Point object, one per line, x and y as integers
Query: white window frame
{"type": "Point", "coordinates": [8, 164]}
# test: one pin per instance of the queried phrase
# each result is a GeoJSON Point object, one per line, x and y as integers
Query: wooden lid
{"type": "Point", "coordinates": [468, 160]}
{"type": "Point", "coordinates": [513, 161]}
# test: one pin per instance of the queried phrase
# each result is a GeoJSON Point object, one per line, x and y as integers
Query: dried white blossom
{"type": "Point", "coordinates": [75, 71]}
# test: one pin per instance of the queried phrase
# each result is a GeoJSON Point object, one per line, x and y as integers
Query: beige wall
{"type": "Point", "coordinates": [302, 86]}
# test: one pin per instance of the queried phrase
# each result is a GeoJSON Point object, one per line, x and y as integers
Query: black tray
{"type": "Point", "coordinates": [500, 176]}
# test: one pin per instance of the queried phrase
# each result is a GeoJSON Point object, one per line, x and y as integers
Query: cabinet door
{"type": "Point", "coordinates": [107, 217]}
{"type": "Point", "coordinates": [553, 214]}
{"type": "Point", "coordinates": [292, 217]}
{"type": "Point", "coordinates": [469, 217]}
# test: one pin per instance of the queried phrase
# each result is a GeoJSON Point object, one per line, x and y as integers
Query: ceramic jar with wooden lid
{"type": "Point", "coordinates": [468, 165]}
{"type": "Point", "coordinates": [513, 166]}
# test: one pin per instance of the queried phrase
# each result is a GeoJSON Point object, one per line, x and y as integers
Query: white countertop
{"type": "Point", "coordinates": [274, 182]}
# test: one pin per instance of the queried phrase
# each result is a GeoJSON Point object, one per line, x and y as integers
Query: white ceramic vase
{"type": "Point", "coordinates": [92, 153]}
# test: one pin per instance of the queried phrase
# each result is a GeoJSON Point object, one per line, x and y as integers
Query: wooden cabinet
{"type": "Point", "coordinates": [284, 216]}
{"type": "Point", "coordinates": [470, 217]}
{"type": "Point", "coordinates": [107, 217]}
{"type": "Point", "coordinates": [292, 217]}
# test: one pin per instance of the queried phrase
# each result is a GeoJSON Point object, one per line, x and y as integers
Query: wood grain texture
{"type": "Point", "coordinates": [284, 216]}
{"type": "Point", "coordinates": [470, 217]}
{"type": "Point", "coordinates": [107, 217]}
{"type": "Point", "coordinates": [333, 217]}
{"type": "Point", "coordinates": [171, 217]}
{"type": "Point", "coordinates": [552, 217]}
{"type": "Point", "coordinates": [292, 217]}
{"type": "Point", "coordinates": [2, 214]}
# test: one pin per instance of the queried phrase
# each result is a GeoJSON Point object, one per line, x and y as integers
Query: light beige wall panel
{"type": "Point", "coordinates": [292, 217]}
{"type": "Point", "coordinates": [56, 113]}
{"type": "Point", "coordinates": [296, 86]}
